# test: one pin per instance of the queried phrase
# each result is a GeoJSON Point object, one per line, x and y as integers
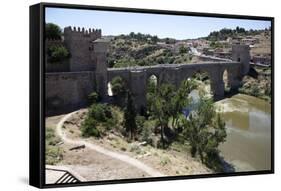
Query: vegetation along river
{"type": "Point", "coordinates": [248, 123]}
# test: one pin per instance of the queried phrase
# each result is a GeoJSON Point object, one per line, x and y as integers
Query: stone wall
{"type": "Point", "coordinates": [68, 91]}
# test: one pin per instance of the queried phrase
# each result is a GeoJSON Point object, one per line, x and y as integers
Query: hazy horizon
{"type": "Point", "coordinates": [172, 26]}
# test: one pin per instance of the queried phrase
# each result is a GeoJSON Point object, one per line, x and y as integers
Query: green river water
{"type": "Point", "coordinates": [248, 123]}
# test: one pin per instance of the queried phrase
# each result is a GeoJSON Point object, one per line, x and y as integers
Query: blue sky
{"type": "Point", "coordinates": [174, 26]}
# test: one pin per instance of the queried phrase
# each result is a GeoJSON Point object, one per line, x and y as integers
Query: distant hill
{"type": "Point", "coordinates": [137, 49]}
{"type": "Point", "coordinates": [225, 33]}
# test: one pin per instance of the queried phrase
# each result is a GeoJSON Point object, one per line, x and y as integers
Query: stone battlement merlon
{"type": "Point", "coordinates": [82, 32]}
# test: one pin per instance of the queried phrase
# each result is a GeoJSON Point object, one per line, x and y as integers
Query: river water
{"type": "Point", "coordinates": [248, 124]}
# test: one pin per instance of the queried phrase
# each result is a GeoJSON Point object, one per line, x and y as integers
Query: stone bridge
{"type": "Point", "coordinates": [67, 91]}
{"type": "Point", "coordinates": [137, 78]}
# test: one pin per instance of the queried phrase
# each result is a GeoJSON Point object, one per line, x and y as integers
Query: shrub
{"type": "Point", "coordinates": [182, 50]}
{"type": "Point", "coordinates": [165, 160]}
{"type": "Point", "coordinates": [255, 90]}
{"type": "Point", "coordinates": [53, 155]}
{"type": "Point", "coordinates": [100, 112]}
{"type": "Point", "coordinates": [94, 97]}
{"type": "Point", "coordinates": [57, 54]}
{"type": "Point", "coordinates": [140, 122]}
{"type": "Point", "coordinates": [110, 123]}
{"type": "Point", "coordinates": [51, 139]}
{"type": "Point", "coordinates": [89, 128]}
{"type": "Point", "coordinates": [146, 135]}
{"type": "Point", "coordinates": [53, 152]}
{"type": "Point", "coordinates": [98, 120]}
{"type": "Point", "coordinates": [135, 148]}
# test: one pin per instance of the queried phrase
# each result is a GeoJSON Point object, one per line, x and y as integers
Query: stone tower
{"type": "Point", "coordinates": [241, 53]}
{"type": "Point", "coordinates": [80, 44]}
{"type": "Point", "coordinates": [100, 47]}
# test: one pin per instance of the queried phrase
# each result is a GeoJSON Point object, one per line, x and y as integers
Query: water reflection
{"type": "Point", "coordinates": [248, 122]}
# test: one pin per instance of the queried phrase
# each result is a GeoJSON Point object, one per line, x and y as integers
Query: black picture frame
{"type": "Point", "coordinates": [37, 94]}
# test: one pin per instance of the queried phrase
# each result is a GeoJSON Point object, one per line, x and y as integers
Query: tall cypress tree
{"type": "Point", "coordinates": [130, 117]}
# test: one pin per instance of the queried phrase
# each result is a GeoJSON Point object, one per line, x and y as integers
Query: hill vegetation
{"type": "Point", "coordinates": [145, 50]}
{"type": "Point", "coordinates": [225, 33]}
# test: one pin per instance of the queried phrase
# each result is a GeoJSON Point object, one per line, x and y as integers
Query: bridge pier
{"type": "Point", "coordinates": [138, 89]}
{"type": "Point", "coordinates": [218, 90]}
{"type": "Point", "coordinates": [234, 81]}
{"type": "Point", "coordinates": [217, 84]}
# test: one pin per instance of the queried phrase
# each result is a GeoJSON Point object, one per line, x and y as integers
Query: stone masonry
{"type": "Point", "coordinates": [88, 72]}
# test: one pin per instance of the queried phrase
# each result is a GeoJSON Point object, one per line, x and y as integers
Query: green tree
{"type": "Point", "coordinates": [161, 105]}
{"type": "Point", "coordinates": [119, 90]}
{"type": "Point", "coordinates": [130, 117]}
{"type": "Point", "coordinates": [205, 130]}
{"type": "Point", "coordinates": [57, 54]}
{"type": "Point", "coordinates": [182, 50]}
{"type": "Point", "coordinates": [165, 102]}
{"type": "Point", "coordinates": [52, 31]}
{"type": "Point", "coordinates": [118, 86]}
{"type": "Point", "coordinates": [154, 39]}
{"type": "Point", "coordinates": [181, 100]}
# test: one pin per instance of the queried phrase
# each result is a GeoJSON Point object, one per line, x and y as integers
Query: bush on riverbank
{"type": "Point", "coordinates": [260, 88]}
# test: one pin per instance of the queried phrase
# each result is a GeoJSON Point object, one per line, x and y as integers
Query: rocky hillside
{"type": "Point", "coordinates": [146, 50]}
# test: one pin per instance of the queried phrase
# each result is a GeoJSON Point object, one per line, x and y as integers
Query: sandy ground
{"type": "Point", "coordinates": [173, 161]}
{"type": "Point", "coordinates": [91, 164]}
{"type": "Point", "coordinates": [112, 157]}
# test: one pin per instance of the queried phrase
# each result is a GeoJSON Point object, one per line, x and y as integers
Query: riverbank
{"type": "Point", "coordinates": [260, 87]}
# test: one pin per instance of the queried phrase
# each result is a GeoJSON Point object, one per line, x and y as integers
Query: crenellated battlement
{"type": "Point", "coordinates": [82, 32]}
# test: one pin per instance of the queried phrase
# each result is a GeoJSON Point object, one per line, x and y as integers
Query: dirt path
{"type": "Point", "coordinates": [121, 157]}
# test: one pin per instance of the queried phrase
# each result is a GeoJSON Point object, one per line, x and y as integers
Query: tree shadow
{"type": "Point", "coordinates": [227, 167]}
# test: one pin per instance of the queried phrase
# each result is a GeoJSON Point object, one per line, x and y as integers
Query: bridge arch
{"type": "Point", "coordinates": [226, 79]}
{"type": "Point", "coordinates": [152, 80]}
{"type": "Point", "coordinates": [200, 75]}
{"type": "Point", "coordinates": [117, 94]}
